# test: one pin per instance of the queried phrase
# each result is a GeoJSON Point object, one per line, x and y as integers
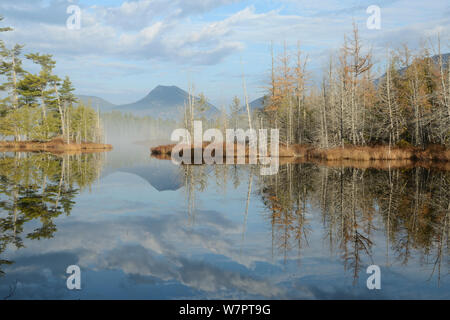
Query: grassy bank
{"type": "Point", "coordinates": [357, 153]}
{"type": "Point", "coordinates": [354, 153]}
{"type": "Point", "coordinates": [163, 150]}
{"type": "Point", "coordinates": [55, 145]}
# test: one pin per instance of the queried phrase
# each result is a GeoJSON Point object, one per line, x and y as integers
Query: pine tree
{"type": "Point", "coordinates": [47, 92]}
{"type": "Point", "coordinates": [11, 68]}
{"type": "Point", "coordinates": [67, 99]}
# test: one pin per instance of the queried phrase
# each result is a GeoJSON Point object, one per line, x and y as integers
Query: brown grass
{"type": "Point", "coordinates": [167, 150]}
{"type": "Point", "coordinates": [162, 150]}
{"type": "Point", "coordinates": [372, 164]}
{"type": "Point", "coordinates": [356, 153]}
{"type": "Point", "coordinates": [55, 145]}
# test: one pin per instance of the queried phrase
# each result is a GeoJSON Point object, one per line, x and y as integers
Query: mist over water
{"type": "Point", "coordinates": [122, 129]}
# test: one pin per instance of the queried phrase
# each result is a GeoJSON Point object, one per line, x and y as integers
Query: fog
{"type": "Point", "coordinates": [125, 129]}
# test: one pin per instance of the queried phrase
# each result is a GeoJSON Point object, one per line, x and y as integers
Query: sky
{"type": "Point", "coordinates": [123, 49]}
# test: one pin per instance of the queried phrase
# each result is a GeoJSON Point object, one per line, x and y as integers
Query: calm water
{"type": "Point", "coordinates": [144, 228]}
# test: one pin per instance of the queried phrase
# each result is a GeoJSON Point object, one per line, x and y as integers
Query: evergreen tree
{"type": "Point", "coordinates": [44, 82]}
{"type": "Point", "coordinates": [67, 99]}
{"type": "Point", "coordinates": [11, 68]}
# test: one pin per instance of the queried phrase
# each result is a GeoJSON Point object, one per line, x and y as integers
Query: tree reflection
{"type": "Point", "coordinates": [39, 187]}
{"type": "Point", "coordinates": [411, 205]}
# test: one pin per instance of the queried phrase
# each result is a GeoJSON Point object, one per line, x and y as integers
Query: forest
{"type": "Point", "coordinates": [41, 106]}
{"type": "Point", "coordinates": [405, 105]}
{"type": "Point", "coordinates": [354, 112]}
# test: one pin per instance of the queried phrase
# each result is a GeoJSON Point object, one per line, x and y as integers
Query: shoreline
{"type": "Point", "coordinates": [433, 153]}
{"type": "Point", "coordinates": [436, 153]}
{"type": "Point", "coordinates": [55, 145]}
{"type": "Point", "coordinates": [346, 163]}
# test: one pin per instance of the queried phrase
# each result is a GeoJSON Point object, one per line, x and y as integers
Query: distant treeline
{"type": "Point", "coordinates": [41, 106]}
{"type": "Point", "coordinates": [408, 105]}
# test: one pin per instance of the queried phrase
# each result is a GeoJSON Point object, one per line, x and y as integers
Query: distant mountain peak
{"type": "Point", "coordinates": [160, 86]}
{"type": "Point", "coordinates": [162, 101]}
{"type": "Point", "coordinates": [167, 90]}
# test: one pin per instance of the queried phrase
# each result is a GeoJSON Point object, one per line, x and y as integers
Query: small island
{"type": "Point", "coordinates": [356, 153]}
{"type": "Point", "coordinates": [356, 112]}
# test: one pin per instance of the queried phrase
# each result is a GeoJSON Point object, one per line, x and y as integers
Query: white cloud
{"type": "Point", "coordinates": [161, 29]}
{"type": "Point", "coordinates": [189, 34]}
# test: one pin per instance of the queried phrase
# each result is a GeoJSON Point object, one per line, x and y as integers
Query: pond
{"type": "Point", "coordinates": [145, 228]}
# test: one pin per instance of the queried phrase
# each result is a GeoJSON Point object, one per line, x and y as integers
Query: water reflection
{"type": "Point", "coordinates": [39, 187]}
{"type": "Point", "coordinates": [145, 228]}
{"type": "Point", "coordinates": [409, 205]}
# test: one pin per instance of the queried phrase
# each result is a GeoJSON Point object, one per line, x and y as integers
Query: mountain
{"type": "Point", "coordinates": [435, 59]}
{"type": "Point", "coordinates": [163, 102]}
{"type": "Point", "coordinates": [256, 104]}
{"type": "Point", "coordinates": [96, 102]}
{"type": "Point", "coordinates": [445, 59]}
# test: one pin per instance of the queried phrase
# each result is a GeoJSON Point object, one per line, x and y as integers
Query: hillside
{"type": "Point", "coordinates": [257, 104]}
{"type": "Point", "coordinates": [435, 59]}
{"type": "Point", "coordinates": [96, 102]}
{"type": "Point", "coordinates": [163, 102]}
